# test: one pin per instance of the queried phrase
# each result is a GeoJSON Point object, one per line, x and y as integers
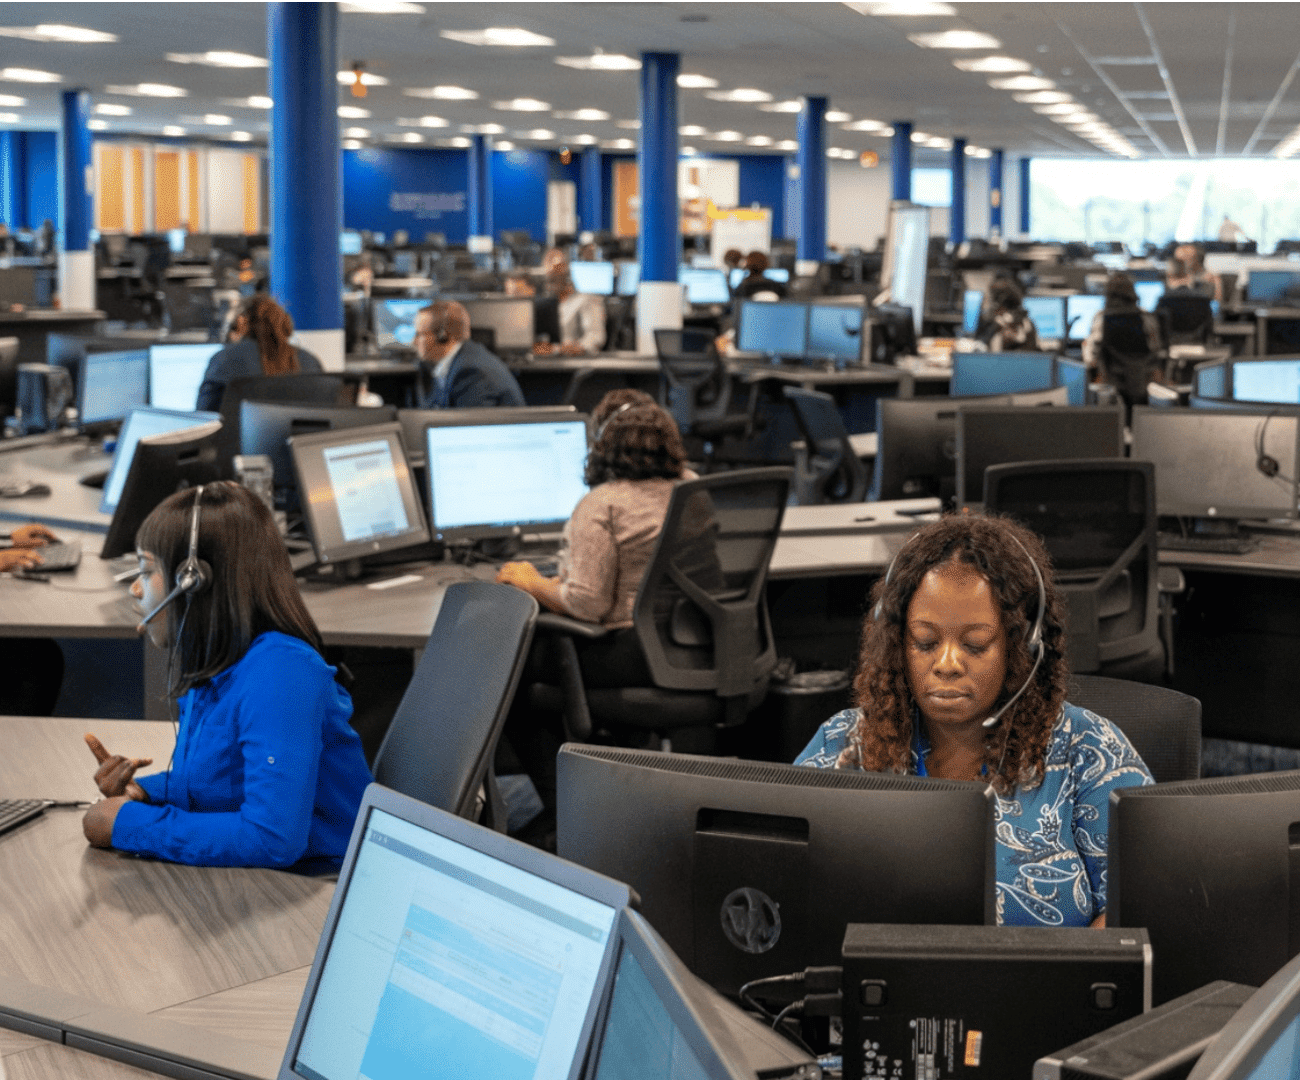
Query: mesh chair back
{"type": "Point", "coordinates": [830, 471]}
{"type": "Point", "coordinates": [440, 745]}
{"type": "Point", "coordinates": [1126, 355]}
{"type": "Point", "coordinates": [1163, 725]}
{"type": "Point", "coordinates": [701, 614]}
{"type": "Point", "coordinates": [301, 389]}
{"type": "Point", "coordinates": [1190, 316]}
{"type": "Point", "coordinates": [696, 385]}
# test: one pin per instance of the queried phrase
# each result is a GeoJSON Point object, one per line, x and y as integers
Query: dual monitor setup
{"type": "Point", "coordinates": [802, 332]}
{"type": "Point", "coordinates": [508, 325]}
{"type": "Point", "coordinates": [1060, 317]}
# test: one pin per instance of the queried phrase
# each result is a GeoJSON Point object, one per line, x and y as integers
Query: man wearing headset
{"type": "Point", "coordinates": [455, 372]}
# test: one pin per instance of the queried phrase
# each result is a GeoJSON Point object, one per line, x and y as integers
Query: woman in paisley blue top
{"type": "Point", "coordinates": [951, 683]}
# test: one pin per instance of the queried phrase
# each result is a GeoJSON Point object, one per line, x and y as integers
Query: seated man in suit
{"type": "Point", "coordinates": [455, 372]}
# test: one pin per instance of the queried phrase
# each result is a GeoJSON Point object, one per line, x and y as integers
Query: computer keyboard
{"type": "Point", "coordinates": [1210, 545]}
{"type": "Point", "coordinates": [59, 556]}
{"type": "Point", "coordinates": [14, 812]}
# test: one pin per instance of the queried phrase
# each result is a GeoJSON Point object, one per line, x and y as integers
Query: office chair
{"type": "Point", "coordinates": [700, 616]}
{"type": "Point", "coordinates": [1191, 317]}
{"type": "Point", "coordinates": [826, 468]}
{"type": "Point", "coordinates": [1126, 357]}
{"type": "Point", "coordinates": [695, 388]}
{"type": "Point", "coordinates": [441, 742]}
{"type": "Point", "coordinates": [1097, 518]}
{"type": "Point", "coordinates": [1163, 725]}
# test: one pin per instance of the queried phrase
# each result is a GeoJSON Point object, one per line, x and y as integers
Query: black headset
{"type": "Point", "coordinates": [1034, 641]}
{"type": "Point", "coordinates": [194, 574]}
{"type": "Point", "coordinates": [610, 418]}
{"type": "Point", "coordinates": [441, 334]}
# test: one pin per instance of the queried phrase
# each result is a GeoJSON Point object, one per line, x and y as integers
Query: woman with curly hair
{"type": "Point", "coordinates": [951, 683]}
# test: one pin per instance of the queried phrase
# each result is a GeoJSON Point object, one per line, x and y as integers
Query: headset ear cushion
{"type": "Point", "coordinates": [194, 575]}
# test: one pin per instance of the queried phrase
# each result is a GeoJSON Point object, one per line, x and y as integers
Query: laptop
{"type": "Point", "coordinates": [448, 943]}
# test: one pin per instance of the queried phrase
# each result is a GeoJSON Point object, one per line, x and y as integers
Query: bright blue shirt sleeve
{"type": "Point", "coordinates": [266, 771]}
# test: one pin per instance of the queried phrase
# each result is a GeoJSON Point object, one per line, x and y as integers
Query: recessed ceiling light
{"type": "Point", "coordinates": [600, 62]}
{"type": "Point", "coordinates": [787, 144]}
{"type": "Point", "coordinates": [628, 125]}
{"type": "Point", "coordinates": [368, 78]}
{"type": "Point", "coordinates": [938, 142]}
{"type": "Point", "coordinates": [353, 112]}
{"type": "Point", "coordinates": [979, 152]}
{"type": "Point", "coordinates": [839, 152]}
{"type": "Point", "coordinates": [219, 58]}
{"type": "Point", "coordinates": [357, 132]}
{"type": "Point", "coordinates": [758, 140]}
{"type": "Point", "coordinates": [505, 145]}
{"type": "Point", "coordinates": [12, 101]}
{"type": "Point", "coordinates": [956, 39]}
{"type": "Point", "coordinates": [688, 81]}
{"type": "Point", "coordinates": [522, 104]}
{"type": "Point", "coordinates": [216, 119]}
{"type": "Point", "coordinates": [351, 144]}
{"type": "Point", "coordinates": [920, 136]}
{"type": "Point", "coordinates": [742, 93]}
{"type": "Point", "coordinates": [173, 131]}
{"type": "Point", "coordinates": [1060, 109]}
{"type": "Point", "coordinates": [539, 134]}
{"type": "Point", "coordinates": [727, 136]}
{"type": "Point", "coordinates": [432, 122]}
{"type": "Point", "coordinates": [241, 136]}
{"type": "Point", "coordinates": [512, 36]}
{"type": "Point", "coordinates": [412, 137]}
{"type": "Point", "coordinates": [483, 129]}
{"type": "Point", "coordinates": [693, 131]}
{"type": "Point", "coordinates": [461, 142]}
{"type": "Point", "coordinates": [1043, 97]}
{"type": "Point", "coordinates": [589, 115]}
{"type": "Point", "coordinates": [74, 35]}
{"type": "Point", "coordinates": [30, 75]}
{"type": "Point", "coordinates": [584, 140]}
{"type": "Point", "coordinates": [144, 89]}
{"type": "Point", "coordinates": [904, 8]}
{"type": "Point", "coordinates": [865, 125]}
{"type": "Point", "coordinates": [381, 7]}
{"type": "Point", "coordinates": [106, 108]}
{"type": "Point", "coordinates": [792, 106]}
{"type": "Point", "coordinates": [443, 93]}
{"type": "Point", "coordinates": [992, 65]}
{"type": "Point", "coordinates": [623, 144]}
{"type": "Point", "coordinates": [1022, 82]}
{"type": "Point", "coordinates": [689, 151]}
{"type": "Point", "coordinates": [256, 101]}
{"type": "Point", "coordinates": [9, 118]}
{"type": "Point", "coordinates": [838, 116]}
{"type": "Point", "coordinates": [96, 125]}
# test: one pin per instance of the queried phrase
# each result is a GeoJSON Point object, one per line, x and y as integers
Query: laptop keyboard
{"type": "Point", "coordinates": [14, 812]}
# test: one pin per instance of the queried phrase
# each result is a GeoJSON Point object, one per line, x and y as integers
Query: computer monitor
{"type": "Point", "coordinates": [176, 241]}
{"type": "Point", "coordinates": [503, 479]}
{"type": "Point", "coordinates": [972, 306]}
{"type": "Point", "coordinates": [546, 319]}
{"type": "Point", "coordinates": [1276, 381]}
{"type": "Point", "coordinates": [349, 242]}
{"type": "Point", "coordinates": [357, 493]}
{"type": "Point", "coordinates": [1262, 1040]}
{"type": "Point", "coordinates": [750, 869]}
{"type": "Point", "coordinates": [1205, 866]}
{"type": "Point", "coordinates": [265, 427]}
{"type": "Point", "coordinates": [1215, 464]}
{"type": "Point", "coordinates": [1000, 373]}
{"type": "Point", "coordinates": [1073, 375]}
{"type": "Point", "coordinates": [140, 424]}
{"type": "Point", "coordinates": [1000, 434]}
{"type": "Point", "coordinates": [9, 348]}
{"type": "Point", "coordinates": [629, 278]}
{"type": "Point", "coordinates": [1211, 379]}
{"type": "Point", "coordinates": [161, 465]}
{"type": "Point", "coordinates": [835, 333]}
{"type": "Point", "coordinates": [596, 278]}
{"type": "Point", "coordinates": [704, 286]}
{"type": "Point", "coordinates": [897, 331]}
{"type": "Point", "coordinates": [111, 384]}
{"type": "Point", "coordinates": [509, 317]}
{"type": "Point", "coordinates": [1080, 311]}
{"type": "Point", "coordinates": [1272, 286]}
{"type": "Point", "coordinates": [1149, 293]}
{"type": "Point", "coordinates": [450, 949]}
{"type": "Point", "coordinates": [176, 373]}
{"type": "Point", "coordinates": [772, 273]}
{"type": "Point", "coordinates": [906, 250]}
{"type": "Point", "coordinates": [414, 421]}
{"type": "Point", "coordinates": [774, 329]}
{"type": "Point", "coordinates": [1048, 315]}
{"type": "Point", "coordinates": [395, 321]}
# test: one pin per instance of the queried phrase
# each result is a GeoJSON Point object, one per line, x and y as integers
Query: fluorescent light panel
{"type": "Point", "coordinates": [514, 37]}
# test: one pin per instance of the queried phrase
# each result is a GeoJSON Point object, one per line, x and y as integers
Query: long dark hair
{"type": "Point", "coordinates": [1015, 750]}
{"type": "Point", "coordinates": [271, 327]}
{"type": "Point", "coordinates": [635, 440]}
{"type": "Point", "coordinates": [252, 589]}
{"type": "Point", "coordinates": [1120, 293]}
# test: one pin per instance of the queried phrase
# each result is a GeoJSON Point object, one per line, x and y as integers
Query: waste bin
{"type": "Point", "coordinates": [795, 708]}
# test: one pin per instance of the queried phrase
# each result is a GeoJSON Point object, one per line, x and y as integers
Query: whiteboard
{"type": "Point", "coordinates": [745, 230]}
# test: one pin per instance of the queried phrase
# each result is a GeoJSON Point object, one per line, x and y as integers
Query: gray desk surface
{"type": "Point", "coordinates": [224, 951]}
{"type": "Point", "coordinates": [39, 315]}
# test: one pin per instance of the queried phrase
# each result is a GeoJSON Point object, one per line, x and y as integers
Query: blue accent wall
{"type": "Point", "coordinates": [519, 179]}
{"type": "Point", "coordinates": [42, 178]}
{"type": "Point", "coordinates": [417, 190]}
{"type": "Point", "coordinates": [762, 181]}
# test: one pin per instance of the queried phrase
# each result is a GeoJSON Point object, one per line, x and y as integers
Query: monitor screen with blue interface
{"type": "Point", "coordinates": [502, 479]}
{"type": "Point", "coordinates": [447, 961]}
{"type": "Point", "coordinates": [972, 305]}
{"type": "Point", "coordinates": [395, 322]}
{"type": "Point", "coordinates": [1276, 381]}
{"type": "Point", "coordinates": [111, 384]}
{"type": "Point", "coordinates": [596, 278]}
{"type": "Point", "coordinates": [704, 286]}
{"type": "Point", "coordinates": [1149, 293]}
{"type": "Point", "coordinates": [138, 424]}
{"type": "Point", "coordinates": [977, 374]}
{"type": "Point", "coordinates": [349, 242]}
{"type": "Point", "coordinates": [1080, 311]}
{"type": "Point", "coordinates": [1211, 379]}
{"type": "Point", "coordinates": [176, 373]}
{"type": "Point", "coordinates": [629, 278]}
{"type": "Point", "coordinates": [773, 329]}
{"type": "Point", "coordinates": [772, 273]}
{"type": "Point", "coordinates": [1048, 314]}
{"type": "Point", "coordinates": [1073, 375]}
{"type": "Point", "coordinates": [176, 241]}
{"type": "Point", "coordinates": [834, 332]}
{"type": "Point", "coordinates": [1272, 285]}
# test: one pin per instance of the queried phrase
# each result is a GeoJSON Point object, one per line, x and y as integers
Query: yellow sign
{"type": "Point", "coordinates": [734, 215]}
{"type": "Point", "coordinates": [868, 159]}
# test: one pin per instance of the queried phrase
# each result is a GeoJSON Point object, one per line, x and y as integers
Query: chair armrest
{"type": "Point", "coordinates": [554, 623]}
{"type": "Point", "coordinates": [1169, 579]}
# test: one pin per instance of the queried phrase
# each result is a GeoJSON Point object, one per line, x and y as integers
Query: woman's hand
{"type": "Point", "coordinates": [19, 559]}
{"type": "Point", "coordinates": [98, 822]}
{"type": "Point", "coordinates": [32, 535]}
{"type": "Point", "coordinates": [114, 777]}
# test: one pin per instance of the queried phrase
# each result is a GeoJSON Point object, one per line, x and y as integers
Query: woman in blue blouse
{"type": "Point", "coordinates": [952, 682]}
{"type": "Point", "coordinates": [266, 770]}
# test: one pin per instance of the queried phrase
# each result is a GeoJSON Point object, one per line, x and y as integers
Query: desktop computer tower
{"type": "Point", "coordinates": [967, 1002]}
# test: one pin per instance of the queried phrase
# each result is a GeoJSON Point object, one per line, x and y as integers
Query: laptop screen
{"type": "Point", "coordinates": [176, 373]}
{"type": "Point", "coordinates": [442, 952]}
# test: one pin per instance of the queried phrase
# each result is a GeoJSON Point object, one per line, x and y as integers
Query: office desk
{"type": "Point", "coordinates": [60, 463]}
{"type": "Point", "coordinates": [33, 326]}
{"type": "Point", "coordinates": [113, 940]}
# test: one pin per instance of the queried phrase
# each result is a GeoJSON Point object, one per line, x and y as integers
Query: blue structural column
{"type": "Point", "coordinates": [306, 193]}
{"type": "Point", "coordinates": [13, 179]}
{"type": "Point", "coordinates": [590, 209]}
{"type": "Point", "coordinates": [957, 211]}
{"type": "Point", "coordinates": [1024, 196]}
{"type": "Point", "coordinates": [812, 179]}
{"type": "Point", "coordinates": [480, 195]}
{"type": "Point", "coordinates": [995, 193]}
{"type": "Point", "coordinates": [76, 205]}
{"type": "Point", "coordinates": [900, 154]}
{"type": "Point", "coordinates": [659, 298]}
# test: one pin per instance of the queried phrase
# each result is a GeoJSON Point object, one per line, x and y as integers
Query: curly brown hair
{"type": "Point", "coordinates": [271, 327]}
{"type": "Point", "coordinates": [635, 440]}
{"type": "Point", "coordinates": [1014, 751]}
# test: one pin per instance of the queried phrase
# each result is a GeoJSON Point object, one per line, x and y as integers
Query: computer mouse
{"type": "Point", "coordinates": [17, 489]}
{"type": "Point", "coordinates": [37, 489]}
